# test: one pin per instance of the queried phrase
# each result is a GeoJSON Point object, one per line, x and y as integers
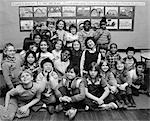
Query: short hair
{"type": "Point", "coordinates": [89, 38]}
{"type": "Point", "coordinates": [46, 60]}
{"type": "Point", "coordinates": [113, 44]}
{"type": "Point", "coordinates": [67, 49]}
{"type": "Point", "coordinates": [25, 71]}
{"type": "Point", "coordinates": [130, 49]}
{"type": "Point", "coordinates": [116, 62]}
{"type": "Point", "coordinates": [75, 68]}
{"type": "Point", "coordinates": [72, 26]}
{"type": "Point", "coordinates": [86, 22]}
{"type": "Point", "coordinates": [92, 66]}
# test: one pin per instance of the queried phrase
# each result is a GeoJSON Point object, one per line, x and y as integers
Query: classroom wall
{"type": "Point", "coordinates": [139, 38]}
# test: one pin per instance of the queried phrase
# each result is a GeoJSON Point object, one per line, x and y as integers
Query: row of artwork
{"type": "Point", "coordinates": [76, 11]}
{"type": "Point", "coordinates": [118, 18]}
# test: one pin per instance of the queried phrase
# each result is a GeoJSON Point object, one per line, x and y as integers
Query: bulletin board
{"type": "Point", "coordinates": [119, 18]}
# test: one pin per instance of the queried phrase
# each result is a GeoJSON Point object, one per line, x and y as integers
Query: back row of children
{"type": "Point", "coordinates": [64, 77]}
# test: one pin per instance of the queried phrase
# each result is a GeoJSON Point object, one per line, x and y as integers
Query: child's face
{"type": "Point", "coordinates": [47, 67]}
{"type": "Point", "coordinates": [71, 74]}
{"type": "Point", "coordinates": [33, 48]}
{"type": "Point", "coordinates": [105, 67]}
{"type": "Point", "coordinates": [103, 25]}
{"type": "Point", "coordinates": [140, 69]}
{"type": "Point", "coordinates": [58, 45]}
{"type": "Point", "coordinates": [43, 46]}
{"type": "Point", "coordinates": [76, 45]}
{"type": "Point", "coordinates": [26, 78]}
{"type": "Point", "coordinates": [93, 73]}
{"type": "Point", "coordinates": [130, 54]}
{"type": "Point", "coordinates": [37, 39]}
{"type": "Point", "coordinates": [65, 56]}
{"type": "Point", "coordinates": [30, 58]}
{"type": "Point", "coordinates": [73, 31]}
{"type": "Point", "coordinates": [87, 26]}
{"type": "Point", "coordinates": [51, 27]}
{"type": "Point", "coordinates": [61, 25]}
{"type": "Point", "coordinates": [103, 52]}
{"type": "Point", "coordinates": [90, 43]}
{"type": "Point", "coordinates": [113, 49]}
{"type": "Point", "coordinates": [120, 65]}
{"type": "Point", "coordinates": [10, 51]}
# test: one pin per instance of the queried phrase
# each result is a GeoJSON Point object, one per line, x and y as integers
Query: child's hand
{"type": "Point", "coordinates": [137, 86]}
{"type": "Point", "coordinates": [122, 87]}
{"type": "Point", "coordinates": [113, 89]}
{"type": "Point", "coordinates": [66, 99]}
{"type": "Point", "coordinates": [23, 109]}
{"type": "Point", "coordinates": [100, 101]}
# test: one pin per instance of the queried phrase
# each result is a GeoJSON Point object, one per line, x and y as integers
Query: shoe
{"type": "Point", "coordinates": [58, 108]}
{"type": "Point", "coordinates": [50, 109]}
{"type": "Point", "coordinates": [132, 103]}
{"type": "Point", "coordinates": [87, 108]}
{"type": "Point", "coordinates": [121, 104]}
{"type": "Point", "coordinates": [127, 102]}
{"type": "Point", "coordinates": [72, 112]}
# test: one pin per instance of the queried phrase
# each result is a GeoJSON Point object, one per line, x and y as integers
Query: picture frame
{"type": "Point", "coordinates": [54, 11]}
{"type": "Point", "coordinates": [111, 12]}
{"type": "Point", "coordinates": [68, 11]}
{"type": "Point", "coordinates": [40, 11]}
{"type": "Point", "coordinates": [83, 11]}
{"type": "Point", "coordinates": [112, 24]}
{"type": "Point", "coordinates": [126, 12]}
{"type": "Point", "coordinates": [125, 24]}
{"type": "Point", "coordinates": [25, 11]}
{"type": "Point", "coordinates": [26, 25]}
{"type": "Point", "coordinates": [97, 11]}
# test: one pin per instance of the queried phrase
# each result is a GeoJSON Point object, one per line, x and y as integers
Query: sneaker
{"type": "Point", "coordinates": [87, 108]}
{"type": "Point", "coordinates": [72, 112]}
{"type": "Point", "coordinates": [50, 109]}
{"type": "Point", "coordinates": [58, 108]}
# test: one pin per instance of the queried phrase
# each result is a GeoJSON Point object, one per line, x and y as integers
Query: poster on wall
{"type": "Point", "coordinates": [80, 21]}
{"type": "Point", "coordinates": [26, 25]}
{"type": "Point", "coordinates": [95, 23]}
{"type": "Point", "coordinates": [40, 11]}
{"type": "Point", "coordinates": [54, 11]}
{"type": "Point", "coordinates": [83, 11]}
{"type": "Point", "coordinates": [97, 11]}
{"type": "Point", "coordinates": [25, 11]}
{"type": "Point", "coordinates": [126, 12]}
{"type": "Point", "coordinates": [111, 11]}
{"type": "Point", "coordinates": [69, 22]}
{"type": "Point", "coordinates": [112, 24]}
{"type": "Point", "coordinates": [125, 23]}
{"type": "Point", "coordinates": [69, 11]}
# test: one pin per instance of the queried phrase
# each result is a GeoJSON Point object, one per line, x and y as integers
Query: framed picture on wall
{"type": "Point", "coordinates": [83, 11]}
{"type": "Point", "coordinates": [26, 25]}
{"type": "Point", "coordinates": [97, 11]}
{"type": "Point", "coordinates": [40, 11]}
{"type": "Point", "coordinates": [69, 11]}
{"type": "Point", "coordinates": [41, 22]}
{"type": "Point", "coordinates": [112, 24]}
{"type": "Point", "coordinates": [69, 22]}
{"type": "Point", "coordinates": [25, 11]}
{"type": "Point", "coordinates": [111, 11]}
{"type": "Point", "coordinates": [126, 12]}
{"type": "Point", "coordinates": [54, 11]}
{"type": "Point", "coordinates": [79, 21]}
{"type": "Point", "coordinates": [125, 24]}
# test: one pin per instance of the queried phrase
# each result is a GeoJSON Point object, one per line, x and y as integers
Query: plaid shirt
{"type": "Point", "coordinates": [112, 58]}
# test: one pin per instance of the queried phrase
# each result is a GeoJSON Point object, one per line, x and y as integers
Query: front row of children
{"type": "Point", "coordinates": [99, 89]}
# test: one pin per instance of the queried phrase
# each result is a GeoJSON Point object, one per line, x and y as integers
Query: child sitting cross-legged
{"type": "Point", "coordinates": [97, 92]}
{"type": "Point", "coordinates": [71, 92]}
{"type": "Point", "coordinates": [20, 99]}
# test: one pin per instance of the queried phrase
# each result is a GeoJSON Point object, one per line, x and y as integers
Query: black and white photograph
{"type": "Point", "coordinates": [74, 60]}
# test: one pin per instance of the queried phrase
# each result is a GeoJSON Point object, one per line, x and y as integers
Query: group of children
{"type": "Point", "coordinates": [66, 71]}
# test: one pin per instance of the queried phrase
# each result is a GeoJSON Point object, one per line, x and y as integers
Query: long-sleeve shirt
{"type": "Point", "coordinates": [11, 69]}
